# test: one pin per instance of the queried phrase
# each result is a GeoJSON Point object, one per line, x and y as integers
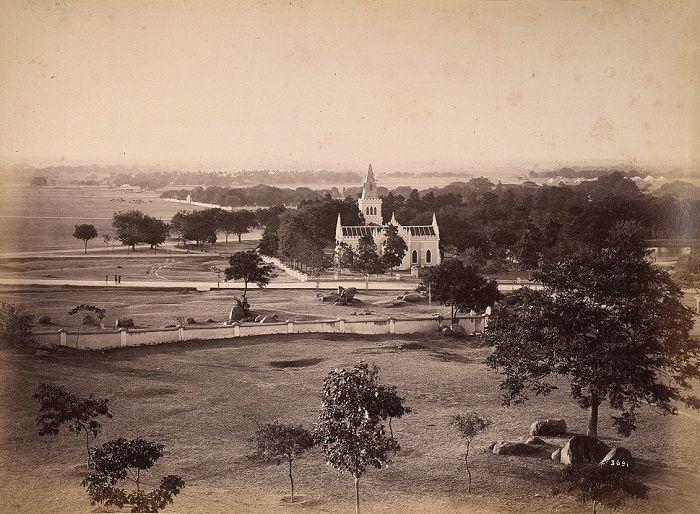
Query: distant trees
{"type": "Point", "coordinates": [197, 226]}
{"type": "Point", "coordinates": [135, 227]}
{"type": "Point", "coordinates": [13, 323]}
{"type": "Point", "coordinates": [349, 427]}
{"type": "Point", "coordinates": [39, 181]}
{"type": "Point", "coordinates": [687, 270]}
{"type": "Point", "coordinates": [366, 259]}
{"type": "Point", "coordinates": [609, 321]}
{"type": "Point", "coordinates": [59, 407]}
{"type": "Point", "coordinates": [393, 248]}
{"type": "Point", "coordinates": [276, 442]}
{"type": "Point", "coordinates": [249, 267]}
{"type": "Point", "coordinates": [237, 222]}
{"type": "Point", "coordinates": [85, 233]}
{"type": "Point", "coordinates": [468, 426]}
{"type": "Point", "coordinates": [345, 255]}
{"type": "Point", "coordinates": [458, 285]}
{"type": "Point", "coordinates": [122, 459]}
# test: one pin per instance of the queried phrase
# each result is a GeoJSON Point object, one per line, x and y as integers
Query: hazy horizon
{"type": "Point", "coordinates": [406, 86]}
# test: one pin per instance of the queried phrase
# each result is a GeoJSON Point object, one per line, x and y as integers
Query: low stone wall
{"type": "Point", "coordinates": [94, 340]}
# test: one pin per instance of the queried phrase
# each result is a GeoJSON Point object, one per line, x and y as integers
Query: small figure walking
{"type": "Point", "coordinates": [115, 279]}
{"type": "Point", "coordinates": [119, 281]}
{"type": "Point", "coordinates": [106, 279]}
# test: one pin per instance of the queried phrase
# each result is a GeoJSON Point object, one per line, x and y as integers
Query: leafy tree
{"type": "Point", "coordinates": [610, 321]}
{"type": "Point", "coordinates": [458, 285]}
{"type": "Point", "coordinates": [269, 243]}
{"type": "Point", "coordinates": [128, 227]}
{"type": "Point", "coordinates": [85, 233]}
{"type": "Point", "coordinates": [88, 320]}
{"type": "Point", "coordinates": [108, 240]}
{"type": "Point", "coordinates": [366, 259]}
{"type": "Point", "coordinates": [240, 222]}
{"type": "Point", "coordinates": [249, 267]}
{"type": "Point", "coordinates": [345, 256]}
{"type": "Point", "coordinates": [468, 426]}
{"type": "Point", "coordinates": [393, 406]}
{"type": "Point", "coordinates": [154, 232]}
{"type": "Point", "coordinates": [394, 248]}
{"type": "Point", "coordinates": [603, 485]}
{"type": "Point", "coordinates": [121, 459]}
{"type": "Point", "coordinates": [349, 426]}
{"type": "Point", "coordinates": [13, 324]}
{"type": "Point", "coordinates": [197, 226]}
{"type": "Point", "coordinates": [277, 442]}
{"type": "Point", "coordinates": [58, 407]}
{"type": "Point", "coordinates": [687, 269]}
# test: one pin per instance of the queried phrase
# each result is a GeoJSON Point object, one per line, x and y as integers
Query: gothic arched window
{"type": "Point", "coordinates": [414, 257]}
{"type": "Point", "coordinates": [368, 211]}
{"type": "Point", "coordinates": [427, 256]}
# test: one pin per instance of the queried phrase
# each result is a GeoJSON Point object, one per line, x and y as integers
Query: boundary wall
{"type": "Point", "coordinates": [99, 340]}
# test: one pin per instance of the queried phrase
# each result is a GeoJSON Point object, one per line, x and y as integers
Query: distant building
{"type": "Point", "coordinates": [422, 240]}
{"type": "Point", "coordinates": [126, 188]}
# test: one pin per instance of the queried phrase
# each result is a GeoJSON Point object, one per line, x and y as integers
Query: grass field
{"type": "Point", "coordinates": [203, 399]}
{"type": "Point", "coordinates": [160, 308]}
{"type": "Point", "coordinates": [39, 219]}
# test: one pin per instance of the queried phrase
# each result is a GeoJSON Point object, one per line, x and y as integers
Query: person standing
{"type": "Point", "coordinates": [115, 279]}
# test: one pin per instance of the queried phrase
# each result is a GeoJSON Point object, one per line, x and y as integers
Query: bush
{"type": "Point", "coordinates": [13, 324]}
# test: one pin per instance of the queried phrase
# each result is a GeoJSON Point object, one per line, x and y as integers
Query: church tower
{"type": "Point", "coordinates": [369, 203]}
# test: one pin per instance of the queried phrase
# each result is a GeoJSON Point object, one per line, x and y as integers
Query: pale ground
{"type": "Point", "coordinates": [202, 400]}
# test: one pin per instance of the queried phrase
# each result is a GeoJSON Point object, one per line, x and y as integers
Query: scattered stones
{"type": "Point", "coordinates": [258, 318]}
{"type": "Point", "coordinates": [489, 448]}
{"type": "Point", "coordinates": [170, 326]}
{"type": "Point", "coordinates": [362, 313]}
{"type": "Point", "coordinates": [618, 457]}
{"type": "Point", "coordinates": [548, 427]}
{"type": "Point", "coordinates": [125, 323]}
{"type": "Point", "coordinates": [583, 449]}
{"type": "Point", "coordinates": [331, 297]}
{"type": "Point", "coordinates": [270, 319]}
{"type": "Point", "coordinates": [345, 296]}
{"type": "Point", "coordinates": [514, 448]}
{"type": "Point", "coordinates": [44, 319]}
{"type": "Point", "coordinates": [191, 321]}
{"type": "Point", "coordinates": [556, 455]}
{"type": "Point", "coordinates": [411, 297]}
{"type": "Point", "coordinates": [210, 321]}
{"type": "Point", "coordinates": [536, 441]}
{"type": "Point", "coordinates": [447, 331]}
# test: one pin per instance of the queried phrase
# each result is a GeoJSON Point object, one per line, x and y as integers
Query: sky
{"type": "Point", "coordinates": [339, 84]}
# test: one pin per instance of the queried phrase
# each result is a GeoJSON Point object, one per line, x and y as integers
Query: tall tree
{"type": "Point", "coordinates": [276, 442]}
{"type": "Point", "coordinates": [128, 227]}
{"type": "Point", "coordinates": [92, 317]}
{"type": "Point", "coordinates": [366, 260]}
{"type": "Point", "coordinates": [154, 232]}
{"type": "Point", "coordinates": [85, 233]}
{"type": "Point", "coordinates": [458, 285]}
{"type": "Point", "coordinates": [393, 248]}
{"type": "Point", "coordinates": [349, 426]}
{"type": "Point", "coordinates": [249, 267]}
{"type": "Point", "coordinates": [609, 321]}
{"type": "Point", "coordinates": [58, 407]}
{"type": "Point", "coordinates": [240, 222]}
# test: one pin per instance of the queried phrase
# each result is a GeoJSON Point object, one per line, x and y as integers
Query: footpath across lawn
{"type": "Point", "coordinates": [203, 400]}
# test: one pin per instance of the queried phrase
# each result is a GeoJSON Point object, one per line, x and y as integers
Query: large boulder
{"type": "Point", "coordinates": [536, 441]}
{"type": "Point", "coordinates": [237, 313]}
{"type": "Point", "coordinates": [44, 319]}
{"type": "Point", "coordinates": [270, 319]}
{"type": "Point", "coordinates": [259, 318]}
{"type": "Point", "coordinates": [619, 458]}
{"type": "Point", "coordinates": [125, 323]}
{"type": "Point", "coordinates": [191, 321]}
{"type": "Point", "coordinates": [332, 297]}
{"type": "Point", "coordinates": [556, 455]}
{"type": "Point", "coordinates": [548, 427]}
{"type": "Point", "coordinates": [345, 296]}
{"type": "Point", "coordinates": [583, 449]}
{"type": "Point", "coordinates": [412, 297]}
{"type": "Point", "coordinates": [457, 329]}
{"type": "Point", "coordinates": [515, 448]}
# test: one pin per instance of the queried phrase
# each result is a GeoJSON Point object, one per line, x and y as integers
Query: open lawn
{"type": "Point", "coordinates": [159, 308]}
{"type": "Point", "coordinates": [203, 400]}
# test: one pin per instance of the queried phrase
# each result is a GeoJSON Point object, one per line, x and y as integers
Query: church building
{"type": "Point", "coordinates": [422, 241]}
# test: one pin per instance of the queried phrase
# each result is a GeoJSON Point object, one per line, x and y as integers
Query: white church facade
{"type": "Point", "coordinates": [422, 241]}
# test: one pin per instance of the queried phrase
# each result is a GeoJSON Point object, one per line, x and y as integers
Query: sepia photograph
{"type": "Point", "coordinates": [392, 256]}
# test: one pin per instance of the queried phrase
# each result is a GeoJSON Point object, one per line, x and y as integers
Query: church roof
{"type": "Point", "coordinates": [360, 230]}
{"type": "Point", "coordinates": [421, 230]}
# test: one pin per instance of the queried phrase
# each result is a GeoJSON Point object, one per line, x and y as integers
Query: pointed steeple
{"type": "Point", "coordinates": [370, 174]}
{"type": "Point", "coordinates": [369, 189]}
{"type": "Point", "coordinates": [338, 229]}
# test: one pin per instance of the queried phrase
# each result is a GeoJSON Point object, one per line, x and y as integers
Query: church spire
{"type": "Point", "coordinates": [369, 189]}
